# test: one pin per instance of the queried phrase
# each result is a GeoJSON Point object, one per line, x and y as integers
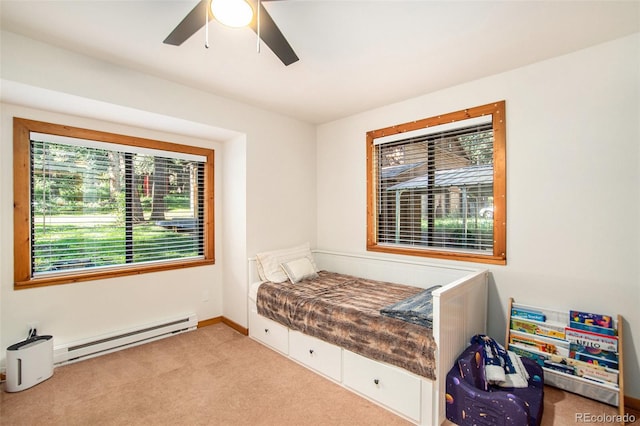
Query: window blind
{"type": "Point", "coordinates": [98, 205]}
{"type": "Point", "coordinates": [434, 187]}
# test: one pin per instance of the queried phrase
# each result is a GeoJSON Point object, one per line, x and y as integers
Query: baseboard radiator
{"type": "Point", "coordinates": [101, 345]}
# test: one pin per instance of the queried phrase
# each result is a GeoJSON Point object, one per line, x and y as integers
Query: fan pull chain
{"type": "Point", "coordinates": [258, 24]}
{"type": "Point", "coordinates": [206, 27]}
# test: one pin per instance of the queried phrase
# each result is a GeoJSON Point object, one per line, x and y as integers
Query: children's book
{"type": "Point", "coordinates": [594, 340]}
{"type": "Point", "coordinates": [592, 328]}
{"type": "Point", "coordinates": [602, 373]}
{"type": "Point", "coordinates": [528, 314]}
{"type": "Point", "coordinates": [543, 347]}
{"type": "Point", "coordinates": [537, 357]}
{"type": "Point", "coordinates": [528, 326]}
{"type": "Point", "coordinates": [588, 318]}
{"type": "Point", "coordinates": [558, 366]}
{"type": "Point", "coordinates": [594, 355]}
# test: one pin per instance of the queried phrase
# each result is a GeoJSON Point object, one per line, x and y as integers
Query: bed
{"type": "Point", "coordinates": [349, 312]}
{"type": "Point", "coordinates": [399, 364]}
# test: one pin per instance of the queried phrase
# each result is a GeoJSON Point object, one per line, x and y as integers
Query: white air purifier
{"type": "Point", "coordinates": [29, 362]}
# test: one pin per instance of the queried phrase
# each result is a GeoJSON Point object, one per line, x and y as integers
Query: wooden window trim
{"type": "Point", "coordinates": [21, 211]}
{"type": "Point", "coordinates": [499, 256]}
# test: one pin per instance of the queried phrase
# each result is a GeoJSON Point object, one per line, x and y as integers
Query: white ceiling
{"type": "Point", "coordinates": [354, 55]}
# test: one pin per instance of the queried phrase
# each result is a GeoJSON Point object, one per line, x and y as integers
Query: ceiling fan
{"type": "Point", "coordinates": [261, 23]}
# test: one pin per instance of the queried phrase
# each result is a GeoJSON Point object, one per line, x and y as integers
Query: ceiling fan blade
{"type": "Point", "coordinates": [272, 36]}
{"type": "Point", "coordinates": [190, 24]}
{"type": "Point", "coordinates": [269, 31]}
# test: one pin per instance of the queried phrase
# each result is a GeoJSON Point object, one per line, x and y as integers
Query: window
{"type": "Point", "coordinates": [92, 205]}
{"type": "Point", "coordinates": [437, 187]}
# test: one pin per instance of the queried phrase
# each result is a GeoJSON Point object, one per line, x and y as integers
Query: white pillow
{"type": "Point", "coordinates": [299, 269]}
{"type": "Point", "coordinates": [269, 262]}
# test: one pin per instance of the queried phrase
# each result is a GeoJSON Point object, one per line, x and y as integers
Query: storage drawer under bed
{"type": "Point", "coordinates": [318, 355]}
{"type": "Point", "coordinates": [383, 383]}
{"type": "Point", "coordinates": [269, 332]}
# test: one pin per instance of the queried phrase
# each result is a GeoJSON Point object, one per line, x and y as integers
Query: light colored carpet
{"type": "Point", "coordinates": [212, 376]}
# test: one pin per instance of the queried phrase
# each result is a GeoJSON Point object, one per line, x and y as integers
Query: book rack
{"type": "Point", "coordinates": [543, 340]}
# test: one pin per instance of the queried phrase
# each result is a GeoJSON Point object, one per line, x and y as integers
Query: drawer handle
{"type": "Point", "coordinates": [376, 381]}
{"type": "Point", "coordinates": [311, 351]}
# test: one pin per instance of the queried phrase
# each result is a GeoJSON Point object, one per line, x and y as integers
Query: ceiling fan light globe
{"type": "Point", "coordinates": [232, 13]}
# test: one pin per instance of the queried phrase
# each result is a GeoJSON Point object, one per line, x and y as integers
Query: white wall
{"type": "Point", "coordinates": [572, 157]}
{"type": "Point", "coordinates": [573, 205]}
{"type": "Point", "coordinates": [97, 307]}
{"type": "Point", "coordinates": [265, 164]}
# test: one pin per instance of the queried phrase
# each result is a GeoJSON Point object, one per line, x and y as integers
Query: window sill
{"type": "Point", "coordinates": [439, 254]}
{"type": "Point", "coordinates": [81, 276]}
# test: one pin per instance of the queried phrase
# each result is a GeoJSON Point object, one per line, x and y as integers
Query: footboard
{"type": "Point", "coordinates": [459, 312]}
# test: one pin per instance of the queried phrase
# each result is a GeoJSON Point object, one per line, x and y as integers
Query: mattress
{"type": "Point", "coordinates": [345, 310]}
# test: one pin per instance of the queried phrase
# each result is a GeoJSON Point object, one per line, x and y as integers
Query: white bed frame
{"type": "Point", "coordinates": [459, 310]}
